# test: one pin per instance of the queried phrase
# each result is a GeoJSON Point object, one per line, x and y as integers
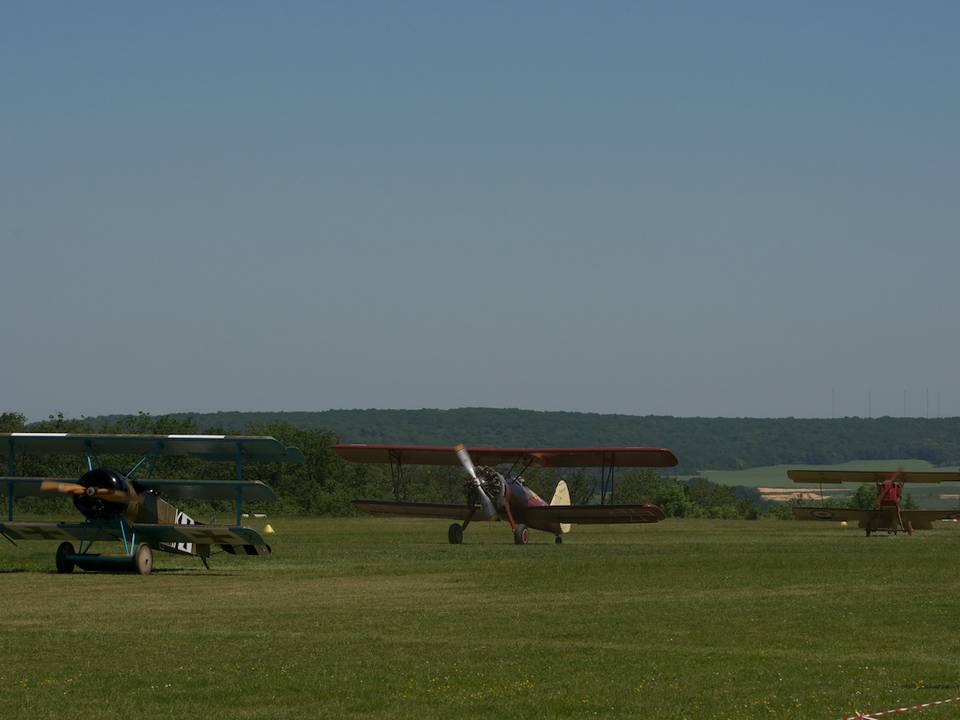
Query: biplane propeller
{"type": "Point", "coordinates": [886, 515]}
{"type": "Point", "coordinates": [492, 495]}
{"type": "Point", "coordinates": [117, 506]}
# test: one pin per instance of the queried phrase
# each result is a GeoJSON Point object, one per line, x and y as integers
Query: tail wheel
{"type": "Point", "coordinates": [455, 534]}
{"type": "Point", "coordinates": [143, 559]}
{"type": "Point", "coordinates": [520, 535]}
{"type": "Point", "coordinates": [558, 539]}
{"type": "Point", "coordinates": [64, 564]}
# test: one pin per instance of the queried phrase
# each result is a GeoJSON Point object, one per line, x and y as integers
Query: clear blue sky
{"type": "Point", "coordinates": [666, 207]}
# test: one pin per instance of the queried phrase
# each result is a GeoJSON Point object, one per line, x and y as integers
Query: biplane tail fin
{"type": "Point", "coordinates": [561, 496]}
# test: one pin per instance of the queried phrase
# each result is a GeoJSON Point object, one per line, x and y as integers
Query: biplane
{"type": "Point", "coordinates": [491, 495]}
{"type": "Point", "coordinates": [886, 515]}
{"type": "Point", "coordinates": [118, 506]}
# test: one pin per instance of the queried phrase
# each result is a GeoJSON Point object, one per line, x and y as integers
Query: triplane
{"type": "Point", "coordinates": [491, 495]}
{"type": "Point", "coordinates": [117, 506]}
{"type": "Point", "coordinates": [886, 514]}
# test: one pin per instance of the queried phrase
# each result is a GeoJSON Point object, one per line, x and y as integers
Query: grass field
{"type": "Point", "coordinates": [367, 618]}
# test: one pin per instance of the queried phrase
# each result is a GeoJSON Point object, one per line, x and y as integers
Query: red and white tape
{"type": "Point", "coordinates": [894, 711]}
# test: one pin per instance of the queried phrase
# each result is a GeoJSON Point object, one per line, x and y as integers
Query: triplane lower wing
{"type": "Point", "coordinates": [491, 495]}
{"type": "Point", "coordinates": [886, 515]}
{"type": "Point", "coordinates": [118, 506]}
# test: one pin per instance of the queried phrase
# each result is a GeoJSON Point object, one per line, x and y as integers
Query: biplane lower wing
{"type": "Point", "coordinates": [882, 517]}
{"type": "Point", "coordinates": [593, 514]}
{"type": "Point", "coordinates": [412, 509]}
{"type": "Point", "coordinates": [229, 538]}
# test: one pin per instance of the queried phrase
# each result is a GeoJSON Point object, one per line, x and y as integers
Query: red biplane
{"type": "Point", "coordinates": [491, 495]}
{"type": "Point", "coordinates": [886, 514]}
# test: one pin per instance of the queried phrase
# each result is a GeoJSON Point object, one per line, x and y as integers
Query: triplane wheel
{"type": "Point", "coordinates": [143, 559]}
{"type": "Point", "coordinates": [520, 535]}
{"type": "Point", "coordinates": [455, 534]}
{"type": "Point", "coordinates": [64, 565]}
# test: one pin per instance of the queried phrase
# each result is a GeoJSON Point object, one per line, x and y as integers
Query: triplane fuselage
{"type": "Point", "coordinates": [118, 506]}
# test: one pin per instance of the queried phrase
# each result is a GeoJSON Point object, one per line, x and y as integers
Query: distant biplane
{"type": "Point", "coordinates": [117, 506]}
{"type": "Point", "coordinates": [886, 515]}
{"type": "Point", "coordinates": [491, 495]}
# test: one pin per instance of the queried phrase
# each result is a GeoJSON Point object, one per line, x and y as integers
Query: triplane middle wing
{"type": "Point", "coordinates": [493, 496]}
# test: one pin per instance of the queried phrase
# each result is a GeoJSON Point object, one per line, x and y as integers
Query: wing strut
{"type": "Point", "coordinates": [606, 476]}
{"type": "Point", "coordinates": [396, 474]}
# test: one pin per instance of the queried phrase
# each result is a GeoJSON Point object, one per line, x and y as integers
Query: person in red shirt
{"type": "Point", "coordinates": [888, 494]}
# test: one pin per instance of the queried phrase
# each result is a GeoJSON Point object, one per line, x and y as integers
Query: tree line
{"type": "Point", "coordinates": [700, 443]}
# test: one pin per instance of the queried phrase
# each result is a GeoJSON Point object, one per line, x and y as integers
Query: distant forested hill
{"type": "Point", "coordinates": [716, 443]}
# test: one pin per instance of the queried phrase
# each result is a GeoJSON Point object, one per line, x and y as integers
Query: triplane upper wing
{"type": "Point", "coordinates": [211, 447]}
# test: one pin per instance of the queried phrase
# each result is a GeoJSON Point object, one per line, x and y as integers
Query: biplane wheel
{"type": "Point", "coordinates": [520, 535]}
{"type": "Point", "coordinates": [64, 565]}
{"type": "Point", "coordinates": [558, 539]}
{"type": "Point", "coordinates": [143, 559]}
{"type": "Point", "coordinates": [455, 534]}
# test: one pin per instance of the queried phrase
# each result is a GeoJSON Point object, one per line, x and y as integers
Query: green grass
{"type": "Point", "coordinates": [367, 618]}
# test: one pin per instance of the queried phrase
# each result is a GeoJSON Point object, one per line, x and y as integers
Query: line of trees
{"type": "Point", "coordinates": [700, 443]}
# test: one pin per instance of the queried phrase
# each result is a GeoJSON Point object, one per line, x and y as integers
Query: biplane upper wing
{"type": "Point", "coordinates": [871, 476]}
{"type": "Point", "coordinates": [212, 447]}
{"type": "Point", "coordinates": [414, 509]}
{"type": "Point", "coordinates": [544, 457]}
{"type": "Point", "coordinates": [594, 514]}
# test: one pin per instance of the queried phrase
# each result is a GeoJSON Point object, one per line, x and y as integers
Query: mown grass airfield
{"type": "Point", "coordinates": [373, 618]}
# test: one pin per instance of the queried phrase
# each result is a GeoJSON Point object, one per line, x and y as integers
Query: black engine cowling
{"type": "Point", "coordinates": [98, 508]}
